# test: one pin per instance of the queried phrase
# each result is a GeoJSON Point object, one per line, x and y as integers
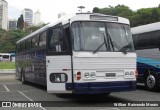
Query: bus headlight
{"type": "Point", "coordinates": [90, 75]}
{"type": "Point", "coordinates": [93, 75]}
{"type": "Point", "coordinates": [87, 75]}
{"type": "Point", "coordinates": [126, 74]}
{"type": "Point", "coordinates": [129, 74]}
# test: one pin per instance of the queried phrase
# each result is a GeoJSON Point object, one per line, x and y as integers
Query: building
{"type": "Point", "coordinates": [37, 18]}
{"type": "Point", "coordinates": [12, 24]}
{"type": "Point", "coordinates": [3, 14]}
{"type": "Point", "coordinates": [28, 16]}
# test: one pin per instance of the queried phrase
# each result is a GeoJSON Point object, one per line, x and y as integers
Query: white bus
{"type": "Point", "coordinates": [80, 54]}
{"type": "Point", "coordinates": [5, 57]}
{"type": "Point", "coordinates": [147, 45]}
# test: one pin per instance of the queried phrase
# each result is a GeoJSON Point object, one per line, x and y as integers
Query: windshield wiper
{"type": "Point", "coordinates": [105, 42]}
{"type": "Point", "coordinates": [125, 48]}
{"type": "Point", "coordinates": [117, 46]}
{"type": "Point", "coordinates": [125, 33]}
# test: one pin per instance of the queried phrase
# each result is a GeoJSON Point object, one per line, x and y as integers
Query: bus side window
{"type": "Point", "coordinates": [143, 41]}
{"type": "Point", "coordinates": [35, 41]}
{"type": "Point", "coordinates": [28, 44]}
{"type": "Point", "coordinates": [57, 41]}
{"type": "Point", "coordinates": [22, 47]}
{"type": "Point", "coordinates": [17, 48]}
{"type": "Point", "coordinates": [154, 40]}
{"type": "Point", "coordinates": [42, 39]}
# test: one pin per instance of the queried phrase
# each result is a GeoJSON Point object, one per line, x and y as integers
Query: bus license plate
{"type": "Point", "coordinates": [110, 74]}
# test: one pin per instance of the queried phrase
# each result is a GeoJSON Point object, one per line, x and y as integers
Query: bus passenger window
{"type": "Point", "coordinates": [57, 41]}
{"type": "Point", "coordinates": [35, 42]}
{"type": "Point", "coordinates": [28, 44]}
{"type": "Point", "coordinates": [42, 39]}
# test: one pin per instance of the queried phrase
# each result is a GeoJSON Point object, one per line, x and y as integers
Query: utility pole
{"type": "Point", "coordinates": [81, 7]}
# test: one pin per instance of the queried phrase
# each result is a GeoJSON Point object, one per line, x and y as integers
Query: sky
{"type": "Point", "coordinates": [51, 8]}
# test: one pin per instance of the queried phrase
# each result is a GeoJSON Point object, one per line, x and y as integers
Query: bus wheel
{"type": "Point", "coordinates": [23, 78]}
{"type": "Point", "coordinates": [151, 82]}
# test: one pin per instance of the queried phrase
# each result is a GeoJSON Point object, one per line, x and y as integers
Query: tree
{"type": "Point", "coordinates": [119, 10]}
{"type": "Point", "coordinates": [9, 39]}
{"type": "Point", "coordinates": [20, 23]}
{"type": "Point", "coordinates": [33, 28]}
{"type": "Point", "coordinates": [155, 15]}
{"type": "Point", "coordinates": [96, 10]}
{"type": "Point", "coordinates": [146, 16]}
{"type": "Point", "coordinates": [139, 17]}
{"type": "Point", "coordinates": [2, 32]}
{"type": "Point", "coordinates": [26, 25]}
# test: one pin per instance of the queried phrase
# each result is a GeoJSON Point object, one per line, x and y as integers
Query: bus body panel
{"type": "Point", "coordinates": [103, 63]}
{"type": "Point", "coordinates": [33, 65]}
{"type": "Point", "coordinates": [148, 59]}
{"type": "Point", "coordinates": [57, 65]}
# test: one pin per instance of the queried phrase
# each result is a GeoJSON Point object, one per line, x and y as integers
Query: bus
{"type": "Point", "coordinates": [146, 40]}
{"type": "Point", "coordinates": [83, 53]}
{"type": "Point", "coordinates": [5, 57]}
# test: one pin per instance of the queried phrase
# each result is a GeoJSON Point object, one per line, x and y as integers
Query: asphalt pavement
{"type": "Point", "coordinates": [11, 89]}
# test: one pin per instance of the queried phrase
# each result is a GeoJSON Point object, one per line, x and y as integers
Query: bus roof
{"type": "Point", "coordinates": [5, 54]}
{"type": "Point", "coordinates": [146, 28]}
{"type": "Point", "coordinates": [80, 17]}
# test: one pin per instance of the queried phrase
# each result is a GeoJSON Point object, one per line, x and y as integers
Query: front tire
{"type": "Point", "coordinates": [151, 82]}
{"type": "Point", "coordinates": [23, 78]}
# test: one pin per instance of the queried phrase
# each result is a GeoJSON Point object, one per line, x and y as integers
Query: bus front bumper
{"type": "Point", "coordinates": [101, 87]}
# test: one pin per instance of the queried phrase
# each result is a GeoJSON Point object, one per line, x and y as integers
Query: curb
{"type": "Point", "coordinates": [7, 71]}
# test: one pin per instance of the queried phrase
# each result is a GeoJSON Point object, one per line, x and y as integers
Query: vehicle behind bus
{"type": "Point", "coordinates": [5, 57]}
{"type": "Point", "coordinates": [81, 54]}
{"type": "Point", "coordinates": [147, 45]}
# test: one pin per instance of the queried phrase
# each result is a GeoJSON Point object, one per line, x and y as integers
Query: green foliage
{"type": "Point", "coordinates": [139, 17]}
{"type": "Point", "coordinates": [9, 39]}
{"type": "Point", "coordinates": [96, 10]}
{"type": "Point", "coordinates": [20, 23]}
{"type": "Point", "coordinates": [32, 29]}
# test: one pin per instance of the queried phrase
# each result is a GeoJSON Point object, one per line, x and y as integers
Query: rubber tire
{"type": "Point", "coordinates": [151, 82]}
{"type": "Point", "coordinates": [23, 78]}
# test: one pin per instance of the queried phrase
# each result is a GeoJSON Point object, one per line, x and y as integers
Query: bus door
{"type": "Point", "coordinates": [58, 61]}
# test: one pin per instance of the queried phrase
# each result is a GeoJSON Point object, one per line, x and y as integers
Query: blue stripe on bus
{"type": "Point", "coordinates": [143, 64]}
{"type": "Point", "coordinates": [101, 87]}
{"type": "Point", "coordinates": [149, 61]}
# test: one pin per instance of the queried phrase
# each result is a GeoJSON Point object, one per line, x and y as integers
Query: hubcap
{"type": "Point", "coordinates": [151, 81]}
{"type": "Point", "coordinates": [22, 78]}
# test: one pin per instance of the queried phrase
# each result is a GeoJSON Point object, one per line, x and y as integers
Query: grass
{"type": "Point", "coordinates": [7, 65]}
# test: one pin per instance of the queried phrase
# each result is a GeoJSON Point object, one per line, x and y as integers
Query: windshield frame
{"type": "Point", "coordinates": [106, 32]}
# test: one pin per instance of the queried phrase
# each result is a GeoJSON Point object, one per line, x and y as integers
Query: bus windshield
{"type": "Point", "coordinates": [6, 56]}
{"type": "Point", "coordinates": [101, 36]}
